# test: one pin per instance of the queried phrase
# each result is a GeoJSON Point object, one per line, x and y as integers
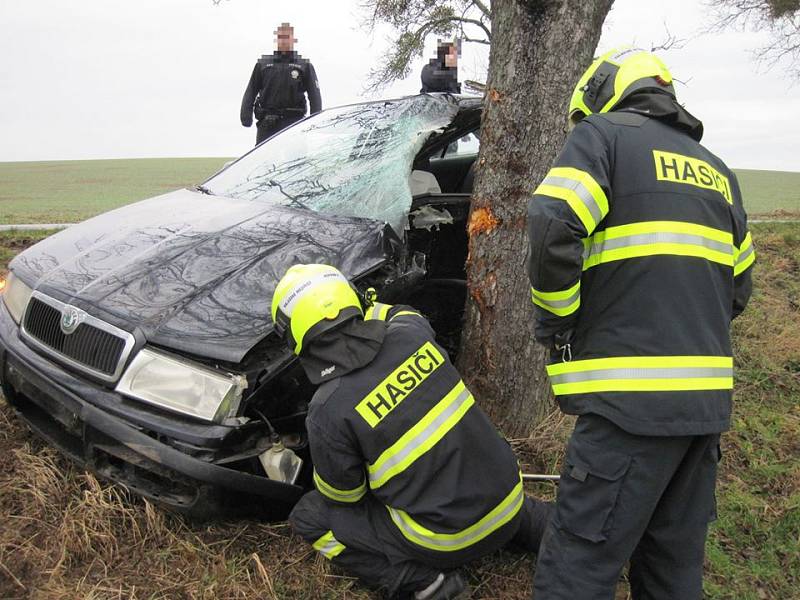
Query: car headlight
{"type": "Point", "coordinates": [181, 386]}
{"type": "Point", "coordinates": [16, 296]}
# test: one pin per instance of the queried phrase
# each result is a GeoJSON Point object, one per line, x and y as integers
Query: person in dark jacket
{"type": "Point", "coordinates": [278, 86]}
{"type": "Point", "coordinates": [441, 73]}
{"type": "Point", "coordinates": [639, 259]}
{"type": "Point", "coordinates": [412, 478]}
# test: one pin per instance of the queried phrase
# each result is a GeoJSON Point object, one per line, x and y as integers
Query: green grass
{"type": "Point", "coordinates": [71, 191]}
{"type": "Point", "coordinates": [769, 191]}
{"type": "Point", "coordinates": [754, 546]}
{"type": "Point", "coordinates": [13, 242]}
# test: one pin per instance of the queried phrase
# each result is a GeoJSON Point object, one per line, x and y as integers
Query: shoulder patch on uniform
{"type": "Point", "coordinates": [628, 119]}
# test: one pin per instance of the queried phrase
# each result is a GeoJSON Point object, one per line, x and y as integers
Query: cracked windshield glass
{"type": "Point", "coordinates": [349, 161]}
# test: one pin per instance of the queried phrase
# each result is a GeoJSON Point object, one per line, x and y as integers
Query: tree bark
{"type": "Point", "coordinates": [539, 50]}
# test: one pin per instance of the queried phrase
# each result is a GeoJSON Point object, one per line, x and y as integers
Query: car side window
{"type": "Point", "coordinates": [468, 144]}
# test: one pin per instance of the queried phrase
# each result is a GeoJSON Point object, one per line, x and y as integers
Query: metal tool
{"type": "Point", "coordinates": [538, 477]}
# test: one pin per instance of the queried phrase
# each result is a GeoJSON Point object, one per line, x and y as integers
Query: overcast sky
{"type": "Point", "coordinates": [142, 78]}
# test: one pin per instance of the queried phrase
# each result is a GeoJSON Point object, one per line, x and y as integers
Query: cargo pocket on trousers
{"type": "Point", "coordinates": [589, 488]}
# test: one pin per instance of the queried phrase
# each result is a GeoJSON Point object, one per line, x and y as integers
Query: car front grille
{"type": "Point", "coordinates": [93, 346]}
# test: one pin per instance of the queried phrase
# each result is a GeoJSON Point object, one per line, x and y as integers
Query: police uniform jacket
{"type": "Point", "coordinates": [277, 87]}
{"type": "Point", "coordinates": [436, 77]}
{"type": "Point", "coordinates": [406, 430]}
{"type": "Point", "coordinates": [639, 259]}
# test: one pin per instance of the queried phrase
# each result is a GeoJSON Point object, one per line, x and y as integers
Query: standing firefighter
{"type": "Point", "coordinates": [278, 86]}
{"type": "Point", "coordinates": [412, 479]}
{"type": "Point", "coordinates": [639, 259]}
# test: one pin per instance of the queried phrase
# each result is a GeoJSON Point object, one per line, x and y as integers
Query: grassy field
{"type": "Point", "coordinates": [66, 535]}
{"type": "Point", "coordinates": [70, 191]}
{"type": "Point", "coordinates": [765, 192]}
{"type": "Point", "coordinates": [74, 190]}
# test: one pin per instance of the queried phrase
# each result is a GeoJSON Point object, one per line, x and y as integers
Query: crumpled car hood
{"type": "Point", "coordinates": [195, 272]}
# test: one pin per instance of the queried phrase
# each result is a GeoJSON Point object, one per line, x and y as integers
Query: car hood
{"type": "Point", "coordinates": [195, 272]}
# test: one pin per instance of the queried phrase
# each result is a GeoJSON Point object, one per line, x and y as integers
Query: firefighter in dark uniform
{"type": "Point", "coordinates": [639, 259]}
{"type": "Point", "coordinates": [441, 73]}
{"type": "Point", "coordinates": [412, 479]}
{"type": "Point", "coordinates": [278, 86]}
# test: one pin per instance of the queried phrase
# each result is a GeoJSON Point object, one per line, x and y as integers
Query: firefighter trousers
{"type": "Point", "coordinates": [623, 497]}
{"type": "Point", "coordinates": [361, 540]}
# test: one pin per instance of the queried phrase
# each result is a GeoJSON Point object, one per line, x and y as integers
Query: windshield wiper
{"type": "Point", "coordinates": [203, 190]}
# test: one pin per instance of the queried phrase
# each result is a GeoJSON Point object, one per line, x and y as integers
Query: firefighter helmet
{"type": "Point", "coordinates": [312, 299]}
{"type": "Point", "coordinates": [615, 76]}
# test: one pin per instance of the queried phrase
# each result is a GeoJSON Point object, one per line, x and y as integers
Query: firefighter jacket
{"type": "Point", "coordinates": [277, 87]}
{"type": "Point", "coordinates": [639, 259]}
{"type": "Point", "coordinates": [406, 430]}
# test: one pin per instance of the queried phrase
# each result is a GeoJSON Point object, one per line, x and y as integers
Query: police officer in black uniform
{"type": "Point", "coordinates": [441, 73]}
{"type": "Point", "coordinates": [412, 478]}
{"type": "Point", "coordinates": [277, 88]}
{"type": "Point", "coordinates": [639, 259]}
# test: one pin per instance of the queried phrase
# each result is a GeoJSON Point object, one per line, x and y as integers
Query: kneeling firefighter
{"type": "Point", "coordinates": [412, 478]}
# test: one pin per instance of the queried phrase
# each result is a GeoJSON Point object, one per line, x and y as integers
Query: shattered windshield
{"type": "Point", "coordinates": [348, 161]}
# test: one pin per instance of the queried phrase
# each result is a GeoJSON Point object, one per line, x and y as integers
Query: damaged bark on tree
{"type": "Point", "coordinates": [538, 51]}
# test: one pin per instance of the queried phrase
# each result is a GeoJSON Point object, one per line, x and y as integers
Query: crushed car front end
{"type": "Point", "coordinates": [197, 468]}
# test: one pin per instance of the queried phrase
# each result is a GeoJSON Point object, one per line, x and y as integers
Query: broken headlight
{"type": "Point", "coordinates": [16, 296]}
{"type": "Point", "coordinates": [182, 386]}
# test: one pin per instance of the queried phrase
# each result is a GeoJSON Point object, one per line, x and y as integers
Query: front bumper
{"type": "Point", "coordinates": [101, 431]}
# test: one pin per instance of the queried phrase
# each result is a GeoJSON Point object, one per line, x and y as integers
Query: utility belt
{"type": "Point", "coordinates": [277, 113]}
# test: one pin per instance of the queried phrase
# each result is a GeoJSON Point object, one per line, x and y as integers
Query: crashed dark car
{"type": "Point", "coordinates": [140, 342]}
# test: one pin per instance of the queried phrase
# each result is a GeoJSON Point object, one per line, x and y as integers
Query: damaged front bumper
{"type": "Point", "coordinates": [110, 435]}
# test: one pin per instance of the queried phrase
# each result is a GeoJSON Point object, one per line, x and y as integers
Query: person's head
{"type": "Point", "coordinates": [614, 76]}
{"type": "Point", "coordinates": [310, 300]}
{"type": "Point", "coordinates": [284, 38]}
{"type": "Point", "coordinates": [447, 53]}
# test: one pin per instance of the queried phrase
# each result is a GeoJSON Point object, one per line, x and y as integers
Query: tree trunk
{"type": "Point", "coordinates": [539, 50]}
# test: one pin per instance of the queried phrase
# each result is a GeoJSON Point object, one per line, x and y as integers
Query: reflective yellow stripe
{"type": "Point", "coordinates": [402, 313]}
{"type": "Point", "coordinates": [326, 489]}
{"type": "Point", "coordinates": [328, 546]}
{"type": "Point", "coordinates": [578, 189]}
{"type": "Point", "coordinates": [658, 238]}
{"type": "Point", "coordinates": [449, 542]}
{"type": "Point", "coordinates": [561, 303]}
{"type": "Point", "coordinates": [421, 437]}
{"type": "Point", "coordinates": [378, 312]}
{"type": "Point", "coordinates": [745, 255]}
{"type": "Point", "coordinates": [644, 374]}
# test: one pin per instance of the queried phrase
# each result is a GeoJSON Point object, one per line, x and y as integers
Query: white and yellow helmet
{"type": "Point", "coordinates": [615, 76]}
{"type": "Point", "coordinates": [312, 299]}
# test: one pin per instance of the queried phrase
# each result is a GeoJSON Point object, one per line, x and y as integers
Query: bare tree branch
{"type": "Point", "coordinates": [670, 42]}
{"type": "Point", "coordinates": [781, 18]}
{"type": "Point", "coordinates": [483, 8]}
